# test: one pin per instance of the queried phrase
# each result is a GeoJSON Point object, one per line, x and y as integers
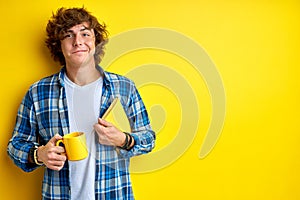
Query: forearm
{"type": "Point", "coordinates": [24, 135]}
{"type": "Point", "coordinates": [144, 142]}
{"type": "Point", "coordinates": [18, 150]}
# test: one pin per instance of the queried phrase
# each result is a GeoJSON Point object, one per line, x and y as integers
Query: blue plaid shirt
{"type": "Point", "coordinates": [44, 112]}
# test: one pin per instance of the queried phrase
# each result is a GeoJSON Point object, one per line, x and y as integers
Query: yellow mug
{"type": "Point", "coordinates": [75, 145]}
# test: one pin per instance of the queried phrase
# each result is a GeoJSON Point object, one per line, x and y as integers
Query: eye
{"type": "Point", "coordinates": [86, 34]}
{"type": "Point", "coordinates": [68, 36]}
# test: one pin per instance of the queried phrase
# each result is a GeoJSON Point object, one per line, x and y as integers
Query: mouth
{"type": "Point", "coordinates": [79, 51]}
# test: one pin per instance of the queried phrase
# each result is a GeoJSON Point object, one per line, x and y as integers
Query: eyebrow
{"type": "Point", "coordinates": [82, 29]}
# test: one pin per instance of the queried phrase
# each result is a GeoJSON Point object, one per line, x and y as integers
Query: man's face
{"type": "Point", "coordinates": [78, 44]}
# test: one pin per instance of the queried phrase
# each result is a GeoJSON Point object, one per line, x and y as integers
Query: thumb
{"type": "Point", "coordinates": [54, 139]}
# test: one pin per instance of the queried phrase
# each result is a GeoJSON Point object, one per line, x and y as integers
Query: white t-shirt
{"type": "Point", "coordinates": [83, 108]}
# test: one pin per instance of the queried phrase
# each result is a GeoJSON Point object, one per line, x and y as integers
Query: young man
{"type": "Point", "coordinates": [74, 100]}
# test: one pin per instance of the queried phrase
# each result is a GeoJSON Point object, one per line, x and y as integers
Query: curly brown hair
{"type": "Point", "coordinates": [63, 20]}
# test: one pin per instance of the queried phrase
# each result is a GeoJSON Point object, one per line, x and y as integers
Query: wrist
{"type": "Point", "coordinates": [128, 143]}
{"type": "Point", "coordinates": [33, 157]}
{"type": "Point", "coordinates": [38, 153]}
{"type": "Point", "coordinates": [124, 139]}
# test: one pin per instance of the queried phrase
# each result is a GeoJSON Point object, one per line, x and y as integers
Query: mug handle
{"type": "Point", "coordinates": [58, 142]}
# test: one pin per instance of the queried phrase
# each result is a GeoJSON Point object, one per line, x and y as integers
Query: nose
{"type": "Point", "coordinates": [77, 41]}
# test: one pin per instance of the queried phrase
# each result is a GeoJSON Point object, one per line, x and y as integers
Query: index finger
{"type": "Point", "coordinates": [59, 149]}
{"type": "Point", "coordinates": [104, 122]}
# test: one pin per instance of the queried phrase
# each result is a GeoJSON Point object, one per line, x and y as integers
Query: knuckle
{"type": "Point", "coordinates": [51, 156]}
{"type": "Point", "coordinates": [64, 158]}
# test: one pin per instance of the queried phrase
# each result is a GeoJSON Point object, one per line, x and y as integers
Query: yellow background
{"type": "Point", "coordinates": [255, 46]}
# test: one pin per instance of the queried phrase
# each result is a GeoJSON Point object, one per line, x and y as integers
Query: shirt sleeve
{"type": "Point", "coordinates": [23, 137]}
{"type": "Point", "coordinates": [141, 130]}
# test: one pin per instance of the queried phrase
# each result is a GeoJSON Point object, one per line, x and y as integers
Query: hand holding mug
{"type": "Point", "coordinates": [75, 145]}
{"type": "Point", "coordinates": [51, 155]}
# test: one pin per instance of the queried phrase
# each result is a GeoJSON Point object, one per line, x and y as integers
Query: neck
{"type": "Point", "coordinates": [82, 74]}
